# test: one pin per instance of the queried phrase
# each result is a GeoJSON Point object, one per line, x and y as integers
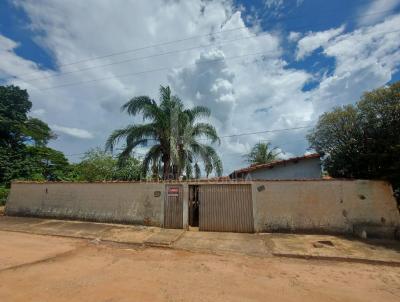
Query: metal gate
{"type": "Point", "coordinates": [226, 208]}
{"type": "Point", "coordinates": [173, 207]}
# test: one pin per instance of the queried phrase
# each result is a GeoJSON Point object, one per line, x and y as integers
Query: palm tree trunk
{"type": "Point", "coordinates": [166, 163]}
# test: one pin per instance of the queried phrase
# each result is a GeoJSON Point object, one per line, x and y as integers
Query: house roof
{"type": "Point", "coordinates": [274, 163]}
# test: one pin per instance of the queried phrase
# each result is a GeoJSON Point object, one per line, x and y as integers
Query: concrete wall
{"type": "Point", "coordinates": [303, 169]}
{"type": "Point", "coordinates": [134, 203]}
{"type": "Point", "coordinates": [330, 206]}
{"type": "Point", "coordinates": [323, 206]}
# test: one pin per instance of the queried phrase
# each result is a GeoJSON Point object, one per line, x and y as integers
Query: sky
{"type": "Point", "coordinates": [261, 66]}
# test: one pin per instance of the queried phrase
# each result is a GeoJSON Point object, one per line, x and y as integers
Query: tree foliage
{"type": "Point", "coordinates": [14, 106]}
{"type": "Point", "coordinates": [3, 195]}
{"type": "Point", "coordinates": [98, 165]}
{"type": "Point", "coordinates": [261, 153]}
{"type": "Point", "coordinates": [362, 140]}
{"type": "Point", "coordinates": [37, 132]}
{"type": "Point", "coordinates": [44, 163]}
{"type": "Point", "coordinates": [174, 133]}
{"type": "Point", "coordinates": [23, 140]}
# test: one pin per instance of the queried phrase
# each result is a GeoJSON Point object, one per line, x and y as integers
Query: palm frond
{"type": "Point", "coordinates": [152, 156]}
{"type": "Point", "coordinates": [115, 137]}
{"type": "Point", "coordinates": [144, 105]}
{"type": "Point", "coordinates": [197, 112]}
{"type": "Point", "coordinates": [189, 171]}
{"type": "Point", "coordinates": [207, 131]}
{"type": "Point", "coordinates": [177, 135]}
{"type": "Point", "coordinates": [126, 153]}
{"type": "Point", "coordinates": [262, 153]}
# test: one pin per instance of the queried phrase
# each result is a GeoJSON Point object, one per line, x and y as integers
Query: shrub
{"type": "Point", "coordinates": [3, 195]}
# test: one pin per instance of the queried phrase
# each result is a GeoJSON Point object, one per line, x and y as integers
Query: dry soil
{"type": "Point", "coordinates": [48, 268]}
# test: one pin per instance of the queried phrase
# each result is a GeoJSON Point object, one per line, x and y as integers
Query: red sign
{"type": "Point", "coordinates": [174, 191]}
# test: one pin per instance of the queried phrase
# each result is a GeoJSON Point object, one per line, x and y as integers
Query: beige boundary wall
{"type": "Point", "coordinates": [133, 203]}
{"type": "Point", "coordinates": [330, 206]}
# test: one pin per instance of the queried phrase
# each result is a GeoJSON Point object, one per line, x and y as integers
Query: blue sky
{"type": "Point", "coordinates": [14, 24]}
{"type": "Point", "coordinates": [290, 61]}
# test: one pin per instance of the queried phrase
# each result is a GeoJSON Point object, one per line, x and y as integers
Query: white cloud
{"type": "Point", "coordinates": [74, 132]}
{"type": "Point", "coordinates": [7, 44]}
{"type": "Point", "coordinates": [208, 83]}
{"type": "Point", "coordinates": [10, 63]}
{"type": "Point", "coordinates": [376, 11]}
{"type": "Point", "coordinates": [314, 40]}
{"type": "Point", "coordinates": [365, 59]}
{"type": "Point", "coordinates": [246, 93]}
{"type": "Point", "coordinates": [38, 112]}
{"type": "Point", "coordinates": [294, 36]}
{"type": "Point", "coordinates": [274, 3]}
{"type": "Point", "coordinates": [279, 4]}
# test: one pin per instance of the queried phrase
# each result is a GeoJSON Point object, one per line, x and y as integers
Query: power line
{"type": "Point", "coordinates": [134, 50]}
{"type": "Point", "coordinates": [169, 68]}
{"type": "Point", "coordinates": [226, 42]}
{"type": "Point", "coordinates": [243, 134]}
{"type": "Point", "coordinates": [265, 131]}
{"type": "Point", "coordinates": [148, 71]}
{"type": "Point", "coordinates": [225, 136]}
{"type": "Point", "coordinates": [148, 57]}
{"type": "Point", "coordinates": [161, 44]}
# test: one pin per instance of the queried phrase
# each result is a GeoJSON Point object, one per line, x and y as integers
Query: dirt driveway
{"type": "Point", "coordinates": [48, 268]}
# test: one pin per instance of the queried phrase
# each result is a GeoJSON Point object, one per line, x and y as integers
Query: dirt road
{"type": "Point", "coordinates": [46, 268]}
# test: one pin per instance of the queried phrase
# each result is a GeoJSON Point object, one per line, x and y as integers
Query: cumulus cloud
{"type": "Point", "coordinates": [208, 83]}
{"type": "Point", "coordinates": [315, 40]}
{"type": "Point", "coordinates": [365, 59]}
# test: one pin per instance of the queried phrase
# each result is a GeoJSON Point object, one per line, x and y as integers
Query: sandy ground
{"type": "Point", "coordinates": [48, 268]}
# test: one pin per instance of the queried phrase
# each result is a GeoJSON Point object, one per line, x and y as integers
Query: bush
{"type": "Point", "coordinates": [98, 165]}
{"type": "Point", "coordinates": [3, 195]}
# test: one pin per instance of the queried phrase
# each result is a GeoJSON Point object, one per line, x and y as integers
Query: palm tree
{"type": "Point", "coordinates": [175, 132]}
{"type": "Point", "coordinates": [261, 153]}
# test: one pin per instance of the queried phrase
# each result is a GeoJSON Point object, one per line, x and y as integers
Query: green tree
{"type": "Point", "coordinates": [15, 126]}
{"type": "Point", "coordinates": [43, 163]}
{"type": "Point", "coordinates": [362, 140]}
{"type": "Point", "coordinates": [14, 105]}
{"type": "Point", "coordinates": [37, 132]}
{"type": "Point", "coordinates": [98, 165]}
{"type": "Point", "coordinates": [174, 132]}
{"type": "Point", "coordinates": [261, 153]}
{"type": "Point", "coordinates": [23, 139]}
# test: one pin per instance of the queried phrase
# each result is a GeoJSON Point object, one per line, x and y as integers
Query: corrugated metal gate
{"type": "Point", "coordinates": [226, 208]}
{"type": "Point", "coordinates": [173, 207]}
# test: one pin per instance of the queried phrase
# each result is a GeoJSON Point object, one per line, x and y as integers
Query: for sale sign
{"type": "Point", "coordinates": [173, 191]}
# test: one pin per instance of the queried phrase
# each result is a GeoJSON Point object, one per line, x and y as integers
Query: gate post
{"type": "Point", "coordinates": [254, 201]}
{"type": "Point", "coordinates": [185, 213]}
{"type": "Point", "coordinates": [163, 197]}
